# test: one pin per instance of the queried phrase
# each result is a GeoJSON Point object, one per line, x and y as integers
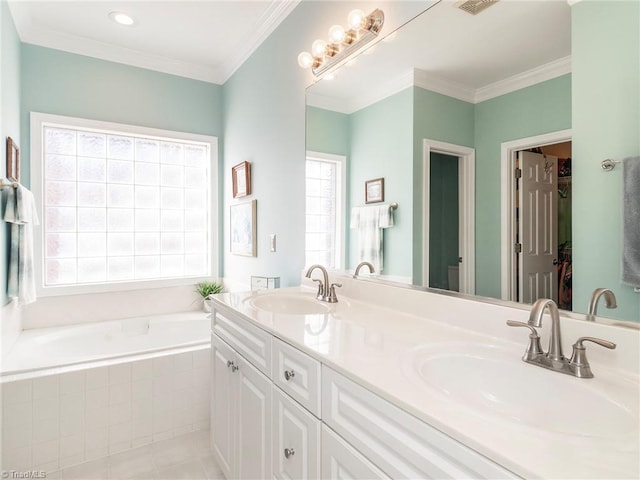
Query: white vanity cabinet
{"type": "Point", "coordinates": [241, 415]}
{"type": "Point", "coordinates": [279, 413]}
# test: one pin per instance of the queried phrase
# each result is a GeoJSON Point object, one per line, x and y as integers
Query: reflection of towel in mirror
{"type": "Point", "coordinates": [369, 221]}
{"type": "Point", "coordinates": [630, 221]}
{"type": "Point", "coordinates": [21, 213]}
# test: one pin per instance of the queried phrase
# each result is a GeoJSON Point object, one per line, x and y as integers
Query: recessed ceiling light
{"type": "Point", "coordinates": [122, 18]}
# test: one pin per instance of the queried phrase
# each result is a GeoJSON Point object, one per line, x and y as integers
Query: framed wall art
{"type": "Point", "coordinates": [13, 161]}
{"type": "Point", "coordinates": [243, 228]}
{"type": "Point", "coordinates": [374, 190]}
{"type": "Point", "coordinates": [241, 177]}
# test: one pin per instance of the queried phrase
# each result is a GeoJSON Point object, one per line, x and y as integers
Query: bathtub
{"type": "Point", "coordinates": [45, 348]}
{"type": "Point", "coordinates": [76, 393]}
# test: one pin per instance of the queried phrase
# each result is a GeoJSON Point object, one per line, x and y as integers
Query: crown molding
{"type": "Point", "coordinates": [381, 92]}
{"type": "Point", "coordinates": [272, 17]}
{"type": "Point", "coordinates": [531, 77]}
{"type": "Point", "coordinates": [28, 33]}
{"type": "Point", "coordinates": [436, 84]}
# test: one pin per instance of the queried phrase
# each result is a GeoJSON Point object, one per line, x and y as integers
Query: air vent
{"type": "Point", "coordinates": [474, 6]}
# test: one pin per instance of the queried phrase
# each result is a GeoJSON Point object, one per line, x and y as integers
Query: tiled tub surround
{"type": "Point", "coordinates": [376, 332]}
{"type": "Point", "coordinates": [62, 417]}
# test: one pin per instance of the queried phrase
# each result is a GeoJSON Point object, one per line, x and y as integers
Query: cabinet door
{"type": "Point", "coordinates": [296, 441]}
{"type": "Point", "coordinates": [340, 461]}
{"type": "Point", "coordinates": [223, 406]}
{"type": "Point", "coordinates": [253, 405]}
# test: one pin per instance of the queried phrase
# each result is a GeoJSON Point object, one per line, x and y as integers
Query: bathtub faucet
{"type": "Point", "coordinates": [369, 265]}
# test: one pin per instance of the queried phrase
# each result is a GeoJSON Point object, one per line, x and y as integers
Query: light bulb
{"type": "Point", "coordinates": [318, 48]}
{"type": "Point", "coordinates": [305, 60]}
{"type": "Point", "coordinates": [336, 34]}
{"type": "Point", "coordinates": [356, 19]}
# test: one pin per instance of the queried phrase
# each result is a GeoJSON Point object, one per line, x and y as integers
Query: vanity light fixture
{"type": "Point", "coordinates": [343, 42]}
{"type": "Point", "coordinates": [122, 18]}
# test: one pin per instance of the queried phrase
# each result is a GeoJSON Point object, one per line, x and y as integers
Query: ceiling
{"type": "Point", "coordinates": [204, 40]}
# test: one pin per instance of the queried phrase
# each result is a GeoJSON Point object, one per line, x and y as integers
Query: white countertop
{"type": "Point", "coordinates": [376, 345]}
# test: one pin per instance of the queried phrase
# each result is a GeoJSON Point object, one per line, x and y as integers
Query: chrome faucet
{"type": "Point", "coordinates": [535, 320]}
{"type": "Point", "coordinates": [326, 292]}
{"type": "Point", "coordinates": [369, 265]}
{"type": "Point", "coordinates": [577, 365]}
{"type": "Point", "coordinates": [609, 298]}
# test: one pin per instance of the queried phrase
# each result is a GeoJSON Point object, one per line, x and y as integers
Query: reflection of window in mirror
{"type": "Point", "coordinates": [325, 194]}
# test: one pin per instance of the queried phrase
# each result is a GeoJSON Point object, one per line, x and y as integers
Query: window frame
{"type": "Point", "coordinates": [341, 207]}
{"type": "Point", "coordinates": [38, 121]}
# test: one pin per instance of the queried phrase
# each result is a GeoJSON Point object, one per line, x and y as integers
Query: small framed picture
{"type": "Point", "coordinates": [243, 228]}
{"type": "Point", "coordinates": [13, 161]}
{"type": "Point", "coordinates": [374, 190]}
{"type": "Point", "coordinates": [241, 175]}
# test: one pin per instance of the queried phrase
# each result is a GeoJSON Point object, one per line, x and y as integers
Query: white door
{"type": "Point", "coordinates": [296, 440]}
{"type": "Point", "coordinates": [538, 231]}
{"type": "Point", "coordinates": [253, 405]}
{"type": "Point", "coordinates": [223, 406]}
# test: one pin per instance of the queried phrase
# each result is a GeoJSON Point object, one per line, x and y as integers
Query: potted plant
{"type": "Point", "coordinates": [207, 288]}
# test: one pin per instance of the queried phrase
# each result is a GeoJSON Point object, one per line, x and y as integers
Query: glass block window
{"type": "Point", "coordinates": [323, 233]}
{"type": "Point", "coordinates": [122, 207]}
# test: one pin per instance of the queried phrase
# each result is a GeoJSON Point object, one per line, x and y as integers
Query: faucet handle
{"type": "Point", "coordinates": [332, 298]}
{"type": "Point", "coordinates": [320, 292]}
{"type": "Point", "coordinates": [533, 348]}
{"type": "Point", "coordinates": [579, 363]}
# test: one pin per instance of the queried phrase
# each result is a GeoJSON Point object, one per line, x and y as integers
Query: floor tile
{"type": "Point", "coordinates": [191, 470]}
{"type": "Point", "coordinates": [131, 463]}
{"type": "Point", "coordinates": [93, 470]}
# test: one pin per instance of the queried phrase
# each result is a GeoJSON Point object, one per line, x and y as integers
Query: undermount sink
{"type": "Point", "coordinates": [494, 382]}
{"type": "Point", "coordinates": [289, 303]}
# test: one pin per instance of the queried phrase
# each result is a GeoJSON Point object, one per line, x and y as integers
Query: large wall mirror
{"type": "Point", "coordinates": [468, 119]}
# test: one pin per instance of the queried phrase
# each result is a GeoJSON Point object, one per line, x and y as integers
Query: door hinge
{"type": "Point", "coordinates": [518, 173]}
{"type": "Point", "coordinates": [518, 248]}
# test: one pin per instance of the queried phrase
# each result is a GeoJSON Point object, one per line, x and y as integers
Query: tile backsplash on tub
{"type": "Point", "coordinates": [54, 421]}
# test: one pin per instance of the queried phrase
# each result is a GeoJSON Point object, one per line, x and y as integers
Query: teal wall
{"type": "Point", "coordinates": [541, 108]}
{"type": "Point", "coordinates": [327, 131]}
{"type": "Point", "coordinates": [381, 147]}
{"type": "Point", "coordinates": [64, 83]}
{"type": "Point", "coordinates": [606, 124]}
{"type": "Point", "coordinates": [443, 218]}
{"type": "Point", "coordinates": [445, 119]}
{"type": "Point", "coordinates": [9, 121]}
{"type": "Point", "coordinates": [264, 123]}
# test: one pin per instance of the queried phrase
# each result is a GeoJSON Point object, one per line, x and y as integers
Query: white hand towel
{"type": "Point", "coordinates": [21, 212]}
{"type": "Point", "coordinates": [369, 222]}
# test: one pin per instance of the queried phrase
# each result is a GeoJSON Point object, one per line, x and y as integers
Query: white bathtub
{"type": "Point", "coordinates": [45, 348]}
{"type": "Point", "coordinates": [78, 393]}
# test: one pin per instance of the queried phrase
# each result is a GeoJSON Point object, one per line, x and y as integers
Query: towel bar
{"type": "Point", "coordinates": [608, 164]}
{"type": "Point", "coordinates": [6, 185]}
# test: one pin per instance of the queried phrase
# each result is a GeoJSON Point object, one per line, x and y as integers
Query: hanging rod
{"type": "Point", "coordinates": [7, 185]}
{"type": "Point", "coordinates": [608, 164]}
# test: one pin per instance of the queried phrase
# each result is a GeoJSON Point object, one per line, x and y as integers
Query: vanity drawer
{"type": "Point", "coordinates": [398, 443]}
{"type": "Point", "coordinates": [250, 341]}
{"type": "Point", "coordinates": [340, 460]}
{"type": "Point", "coordinates": [297, 374]}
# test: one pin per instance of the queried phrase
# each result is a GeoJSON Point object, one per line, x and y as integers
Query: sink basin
{"type": "Point", "coordinates": [494, 382]}
{"type": "Point", "coordinates": [289, 303]}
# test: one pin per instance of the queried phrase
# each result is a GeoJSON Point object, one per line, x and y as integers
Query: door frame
{"type": "Point", "coordinates": [508, 152]}
{"type": "Point", "coordinates": [466, 207]}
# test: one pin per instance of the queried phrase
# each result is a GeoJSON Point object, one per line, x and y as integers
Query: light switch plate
{"type": "Point", "coordinates": [272, 242]}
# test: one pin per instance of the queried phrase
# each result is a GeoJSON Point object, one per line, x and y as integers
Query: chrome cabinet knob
{"type": "Point", "coordinates": [234, 368]}
{"type": "Point", "coordinates": [289, 452]}
{"type": "Point", "coordinates": [289, 374]}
